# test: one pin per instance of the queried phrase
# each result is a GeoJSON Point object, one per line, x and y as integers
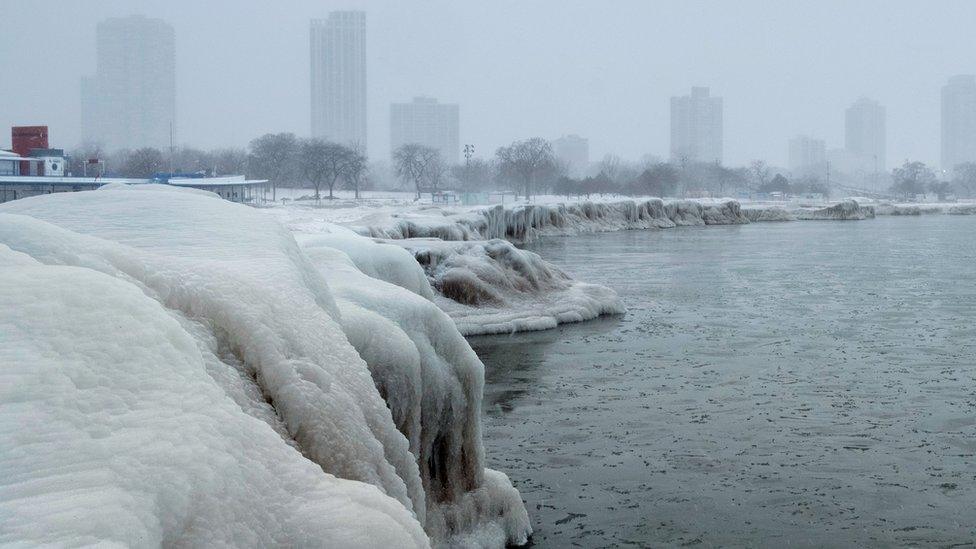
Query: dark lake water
{"type": "Point", "coordinates": [799, 384]}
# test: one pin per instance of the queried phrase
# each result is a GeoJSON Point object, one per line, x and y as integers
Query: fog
{"type": "Point", "coordinates": [604, 71]}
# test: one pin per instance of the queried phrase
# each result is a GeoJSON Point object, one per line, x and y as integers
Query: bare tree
{"type": "Point", "coordinates": [273, 156]}
{"type": "Point", "coordinates": [77, 163]}
{"type": "Point", "coordinates": [610, 166]}
{"type": "Point", "coordinates": [228, 161]}
{"type": "Point", "coordinates": [912, 178]}
{"type": "Point", "coordinates": [660, 179]}
{"type": "Point", "coordinates": [525, 161]}
{"type": "Point", "coordinates": [436, 172]}
{"type": "Point", "coordinates": [474, 175]}
{"type": "Point", "coordinates": [323, 162]}
{"type": "Point", "coordinates": [760, 173]}
{"type": "Point", "coordinates": [355, 172]}
{"type": "Point", "coordinates": [142, 163]}
{"type": "Point", "coordinates": [964, 178]}
{"type": "Point", "coordinates": [412, 163]}
{"type": "Point", "coordinates": [188, 160]}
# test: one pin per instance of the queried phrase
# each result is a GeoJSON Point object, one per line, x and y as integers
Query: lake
{"type": "Point", "coordinates": [803, 384]}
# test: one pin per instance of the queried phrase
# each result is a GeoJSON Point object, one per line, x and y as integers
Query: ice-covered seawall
{"type": "Point", "coordinates": [526, 222]}
{"type": "Point", "coordinates": [227, 378]}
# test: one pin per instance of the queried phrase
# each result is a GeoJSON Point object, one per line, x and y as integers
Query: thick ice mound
{"type": "Point", "coordinates": [845, 210]}
{"type": "Point", "coordinates": [272, 338]}
{"type": "Point", "coordinates": [485, 286]}
{"type": "Point", "coordinates": [114, 432]}
{"type": "Point", "coordinates": [432, 380]}
{"type": "Point", "coordinates": [493, 287]}
{"type": "Point", "coordinates": [525, 222]}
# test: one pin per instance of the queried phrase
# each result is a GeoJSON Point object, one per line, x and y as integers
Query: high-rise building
{"type": "Point", "coordinates": [131, 100]}
{"type": "Point", "coordinates": [338, 53]}
{"type": "Point", "coordinates": [426, 122]}
{"type": "Point", "coordinates": [808, 156]}
{"type": "Point", "coordinates": [865, 136]}
{"type": "Point", "coordinates": [696, 127]}
{"type": "Point", "coordinates": [574, 152]}
{"type": "Point", "coordinates": [959, 121]}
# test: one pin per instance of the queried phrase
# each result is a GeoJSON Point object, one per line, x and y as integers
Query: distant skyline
{"type": "Point", "coordinates": [522, 69]}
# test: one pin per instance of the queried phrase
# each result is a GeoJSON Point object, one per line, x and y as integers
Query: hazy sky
{"type": "Point", "coordinates": [604, 70]}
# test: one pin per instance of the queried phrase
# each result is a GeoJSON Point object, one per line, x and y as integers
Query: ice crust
{"type": "Point", "coordinates": [211, 336]}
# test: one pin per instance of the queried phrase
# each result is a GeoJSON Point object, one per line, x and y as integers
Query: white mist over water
{"type": "Point", "coordinates": [805, 383]}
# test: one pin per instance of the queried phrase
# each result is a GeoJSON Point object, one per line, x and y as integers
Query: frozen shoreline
{"type": "Point", "coordinates": [205, 379]}
{"type": "Point", "coordinates": [487, 284]}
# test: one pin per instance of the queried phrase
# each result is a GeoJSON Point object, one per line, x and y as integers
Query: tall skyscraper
{"type": "Point", "coordinates": [696, 127]}
{"type": "Point", "coordinates": [808, 156]}
{"type": "Point", "coordinates": [427, 122]}
{"type": "Point", "coordinates": [865, 136]}
{"type": "Point", "coordinates": [959, 121]}
{"type": "Point", "coordinates": [574, 152]}
{"type": "Point", "coordinates": [131, 100]}
{"type": "Point", "coordinates": [338, 48]}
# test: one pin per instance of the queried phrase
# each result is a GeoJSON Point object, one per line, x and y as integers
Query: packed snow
{"type": "Point", "coordinates": [205, 380]}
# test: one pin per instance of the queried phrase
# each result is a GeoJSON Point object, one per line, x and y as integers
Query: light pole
{"type": "Point", "coordinates": [468, 153]}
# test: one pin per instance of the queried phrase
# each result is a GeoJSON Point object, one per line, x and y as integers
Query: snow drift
{"type": "Point", "coordinates": [262, 338]}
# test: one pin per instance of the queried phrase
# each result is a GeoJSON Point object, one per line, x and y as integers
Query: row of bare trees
{"type": "Point", "coordinates": [420, 166]}
{"type": "Point", "coordinates": [284, 159]}
{"type": "Point", "coordinates": [527, 167]}
{"type": "Point", "coordinates": [524, 166]}
{"type": "Point", "coordinates": [281, 158]}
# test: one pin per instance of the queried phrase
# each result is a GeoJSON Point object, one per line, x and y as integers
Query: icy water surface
{"type": "Point", "coordinates": [801, 384]}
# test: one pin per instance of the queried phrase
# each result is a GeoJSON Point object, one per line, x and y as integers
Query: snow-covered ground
{"type": "Point", "coordinates": [178, 370]}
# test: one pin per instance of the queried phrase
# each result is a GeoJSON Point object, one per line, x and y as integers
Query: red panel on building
{"type": "Point", "coordinates": [25, 138]}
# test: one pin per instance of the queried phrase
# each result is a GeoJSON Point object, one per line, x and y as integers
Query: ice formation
{"type": "Point", "coordinates": [525, 222]}
{"type": "Point", "coordinates": [114, 433]}
{"type": "Point", "coordinates": [238, 349]}
{"type": "Point", "coordinates": [773, 213]}
{"type": "Point", "coordinates": [886, 208]}
{"type": "Point", "coordinates": [844, 210]}
{"type": "Point", "coordinates": [493, 287]}
{"type": "Point", "coordinates": [432, 380]}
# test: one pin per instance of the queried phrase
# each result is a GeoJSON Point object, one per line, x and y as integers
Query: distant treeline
{"type": "Point", "coordinates": [527, 167]}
